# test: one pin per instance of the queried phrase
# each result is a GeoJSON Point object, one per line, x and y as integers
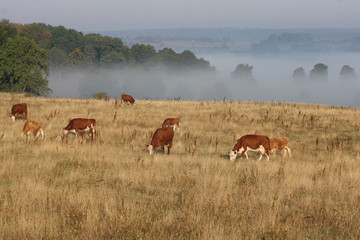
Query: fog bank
{"type": "Point", "coordinates": [273, 74]}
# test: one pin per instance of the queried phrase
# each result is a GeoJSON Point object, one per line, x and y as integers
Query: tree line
{"type": "Point", "coordinates": [243, 73]}
{"type": "Point", "coordinates": [30, 52]}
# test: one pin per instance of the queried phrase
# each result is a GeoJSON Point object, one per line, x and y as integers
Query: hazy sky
{"type": "Point", "coordinates": [97, 15]}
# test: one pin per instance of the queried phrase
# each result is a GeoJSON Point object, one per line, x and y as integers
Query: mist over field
{"type": "Point", "coordinates": [273, 74]}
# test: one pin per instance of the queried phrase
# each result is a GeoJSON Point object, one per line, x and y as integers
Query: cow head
{"type": "Point", "coordinates": [151, 149]}
{"type": "Point", "coordinates": [232, 155]}
{"type": "Point", "coordinates": [12, 118]}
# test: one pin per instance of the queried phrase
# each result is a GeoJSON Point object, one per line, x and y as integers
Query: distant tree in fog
{"type": "Point", "coordinates": [57, 59]}
{"type": "Point", "coordinates": [347, 73]}
{"type": "Point", "coordinates": [299, 75]}
{"type": "Point", "coordinates": [319, 72]}
{"type": "Point", "coordinates": [242, 72]}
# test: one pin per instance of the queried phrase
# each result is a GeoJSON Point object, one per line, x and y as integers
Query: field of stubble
{"type": "Point", "coordinates": [113, 189]}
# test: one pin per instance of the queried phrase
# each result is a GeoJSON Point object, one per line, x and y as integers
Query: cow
{"type": "Point", "coordinates": [80, 126]}
{"type": "Point", "coordinates": [162, 137]}
{"type": "Point", "coordinates": [33, 127]}
{"type": "Point", "coordinates": [172, 122]}
{"type": "Point", "coordinates": [256, 143]}
{"type": "Point", "coordinates": [280, 144]}
{"type": "Point", "coordinates": [127, 98]}
{"type": "Point", "coordinates": [17, 109]}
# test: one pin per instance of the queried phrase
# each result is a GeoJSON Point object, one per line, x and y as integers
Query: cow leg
{"type": "Point", "coordinates": [262, 152]}
{"type": "Point", "coordinates": [267, 154]}
{"type": "Point", "coordinates": [163, 148]}
{"type": "Point", "coordinates": [289, 151]}
{"type": "Point", "coordinates": [169, 146]}
{"type": "Point", "coordinates": [274, 151]}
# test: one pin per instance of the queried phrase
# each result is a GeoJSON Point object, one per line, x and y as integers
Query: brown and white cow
{"type": "Point", "coordinates": [172, 122]}
{"type": "Point", "coordinates": [256, 143]}
{"type": "Point", "coordinates": [33, 127]}
{"type": "Point", "coordinates": [162, 137]}
{"type": "Point", "coordinates": [18, 109]}
{"type": "Point", "coordinates": [127, 98]}
{"type": "Point", "coordinates": [80, 126]}
{"type": "Point", "coordinates": [280, 144]}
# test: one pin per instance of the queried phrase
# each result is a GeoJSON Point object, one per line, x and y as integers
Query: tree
{"type": "Point", "coordinates": [40, 32]}
{"type": "Point", "coordinates": [243, 73]}
{"type": "Point", "coordinates": [67, 39]}
{"type": "Point", "coordinates": [299, 75]}
{"type": "Point", "coordinates": [142, 53]}
{"type": "Point", "coordinates": [113, 59]}
{"type": "Point", "coordinates": [6, 31]}
{"type": "Point", "coordinates": [319, 72]}
{"type": "Point", "coordinates": [57, 59]}
{"type": "Point", "coordinates": [23, 67]}
{"type": "Point", "coordinates": [347, 73]}
{"type": "Point", "coordinates": [77, 57]}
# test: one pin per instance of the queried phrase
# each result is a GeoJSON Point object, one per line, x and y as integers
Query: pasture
{"type": "Point", "coordinates": [113, 188]}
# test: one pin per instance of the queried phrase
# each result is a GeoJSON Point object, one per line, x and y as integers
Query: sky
{"type": "Point", "coordinates": [107, 15]}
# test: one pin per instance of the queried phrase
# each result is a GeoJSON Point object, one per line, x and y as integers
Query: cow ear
{"type": "Point", "coordinates": [147, 145]}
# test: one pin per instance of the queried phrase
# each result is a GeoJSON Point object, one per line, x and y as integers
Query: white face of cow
{"type": "Point", "coordinates": [151, 149]}
{"type": "Point", "coordinates": [232, 155]}
{"type": "Point", "coordinates": [12, 118]}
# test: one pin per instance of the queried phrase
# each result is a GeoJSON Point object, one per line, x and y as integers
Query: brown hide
{"type": "Point", "coordinates": [127, 98]}
{"type": "Point", "coordinates": [171, 121]}
{"type": "Point", "coordinates": [280, 144]}
{"type": "Point", "coordinates": [162, 137]}
{"type": "Point", "coordinates": [32, 126]}
{"type": "Point", "coordinates": [80, 124]}
{"type": "Point", "coordinates": [253, 142]}
{"type": "Point", "coordinates": [20, 108]}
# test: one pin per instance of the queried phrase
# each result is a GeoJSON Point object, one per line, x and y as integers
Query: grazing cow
{"type": "Point", "coordinates": [17, 109]}
{"type": "Point", "coordinates": [80, 126]}
{"type": "Point", "coordinates": [161, 137]}
{"type": "Point", "coordinates": [280, 144]}
{"type": "Point", "coordinates": [127, 98]}
{"type": "Point", "coordinates": [254, 143]}
{"type": "Point", "coordinates": [172, 122]}
{"type": "Point", "coordinates": [33, 127]}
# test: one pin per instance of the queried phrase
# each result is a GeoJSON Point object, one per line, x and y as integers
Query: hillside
{"type": "Point", "coordinates": [114, 189]}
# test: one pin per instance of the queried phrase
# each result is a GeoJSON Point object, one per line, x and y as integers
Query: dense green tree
{"type": "Point", "coordinates": [6, 31]}
{"type": "Point", "coordinates": [142, 53]}
{"type": "Point", "coordinates": [113, 59]}
{"type": "Point", "coordinates": [23, 66]}
{"type": "Point", "coordinates": [299, 75]}
{"type": "Point", "coordinates": [40, 32]}
{"type": "Point", "coordinates": [319, 72]}
{"type": "Point", "coordinates": [347, 73]}
{"type": "Point", "coordinates": [76, 57]}
{"type": "Point", "coordinates": [103, 45]}
{"type": "Point", "coordinates": [67, 39]}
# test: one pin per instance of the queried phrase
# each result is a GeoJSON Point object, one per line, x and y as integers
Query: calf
{"type": "Point", "coordinates": [172, 122]}
{"type": "Point", "coordinates": [280, 144]}
{"type": "Point", "coordinates": [80, 126]}
{"type": "Point", "coordinates": [161, 137]}
{"type": "Point", "coordinates": [33, 127]}
{"type": "Point", "coordinates": [127, 98]}
{"type": "Point", "coordinates": [255, 143]}
{"type": "Point", "coordinates": [17, 109]}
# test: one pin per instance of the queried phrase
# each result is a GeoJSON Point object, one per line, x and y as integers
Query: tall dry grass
{"type": "Point", "coordinates": [113, 189]}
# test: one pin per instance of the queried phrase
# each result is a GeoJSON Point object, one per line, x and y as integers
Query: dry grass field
{"type": "Point", "coordinates": [113, 189]}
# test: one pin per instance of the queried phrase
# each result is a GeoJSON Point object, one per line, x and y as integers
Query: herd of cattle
{"type": "Point", "coordinates": [162, 137]}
